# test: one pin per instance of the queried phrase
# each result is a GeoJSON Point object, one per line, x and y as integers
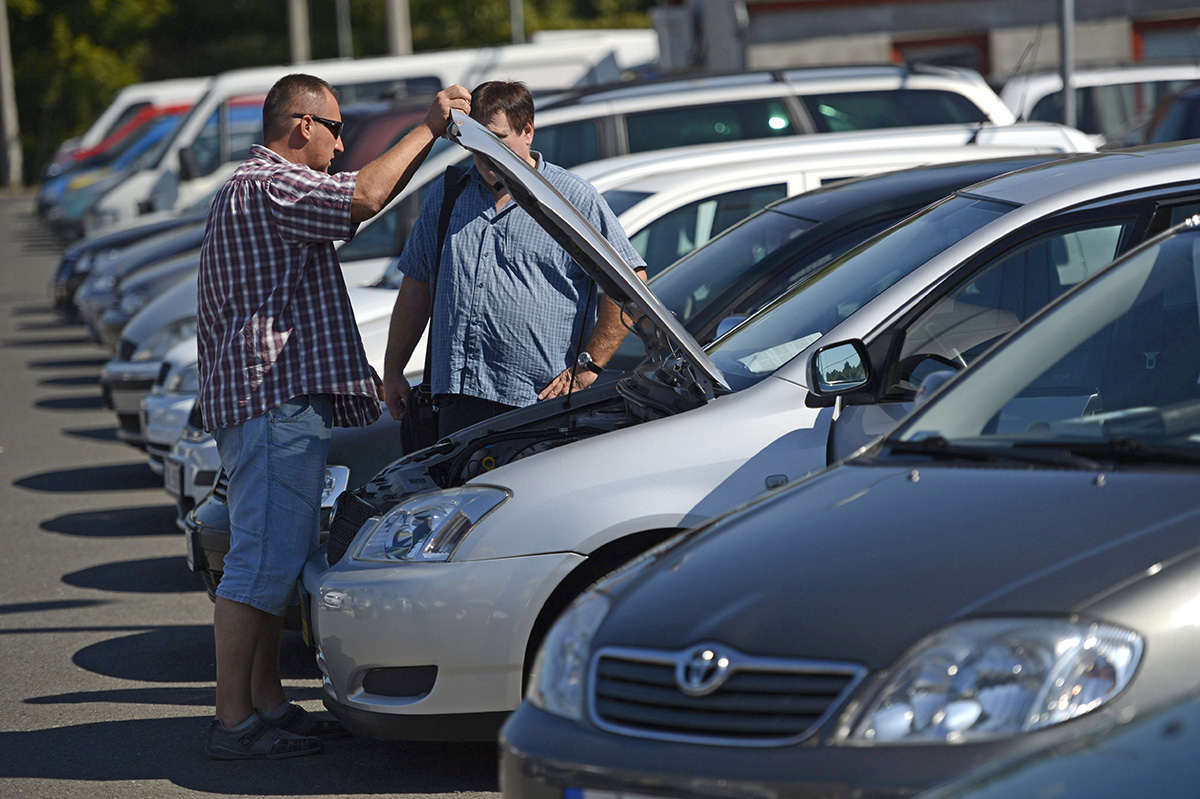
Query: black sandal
{"type": "Point", "coordinates": [299, 721]}
{"type": "Point", "coordinates": [262, 741]}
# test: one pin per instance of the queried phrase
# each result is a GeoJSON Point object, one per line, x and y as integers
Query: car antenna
{"type": "Point", "coordinates": [1034, 45]}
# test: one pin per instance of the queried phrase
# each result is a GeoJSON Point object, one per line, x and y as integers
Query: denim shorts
{"type": "Point", "coordinates": [276, 468]}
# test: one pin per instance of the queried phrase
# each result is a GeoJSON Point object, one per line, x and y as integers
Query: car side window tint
{"type": "Point", "coordinates": [568, 144]}
{"type": "Point", "coordinates": [869, 110]}
{"type": "Point", "coordinates": [962, 325]}
{"type": "Point", "coordinates": [707, 124]}
{"type": "Point", "coordinates": [675, 234]}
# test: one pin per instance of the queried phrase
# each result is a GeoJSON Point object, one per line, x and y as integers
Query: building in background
{"type": "Point", "coordinates": [990, 36]}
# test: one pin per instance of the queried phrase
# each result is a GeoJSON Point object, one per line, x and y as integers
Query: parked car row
{"type": "Point", "coordinates": [885, 493]}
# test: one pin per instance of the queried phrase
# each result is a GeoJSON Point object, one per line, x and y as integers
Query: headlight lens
{"type": "Point", "coordinates": [429, 526]}
{"type": "Point", "coordinates": [559, 677]}
{"type": "Point", "coordinates": [156, 345]}
{"type": "Point", "coordinates": [132, 302]}
{"type": "Point", "coordinates": [995, 678]}
{"type": "Point", "coordinates": [185, 380]}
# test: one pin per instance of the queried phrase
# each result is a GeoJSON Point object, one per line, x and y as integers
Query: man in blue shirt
{"type": "Point", "coordinates": [510, 305]}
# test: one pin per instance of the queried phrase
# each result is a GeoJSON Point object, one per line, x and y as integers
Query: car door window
{"type": "Point", "coordinates": [959, 327]}
{"type": "Point", "coordinates": [568, 144]}
{"type": "Point", "coordinates": [708, 124]}
{"type": "Point", "coordinates": [868, 110]}
{"type": "Point", "coordinates": [674, 235]}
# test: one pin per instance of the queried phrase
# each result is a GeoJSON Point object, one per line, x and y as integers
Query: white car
{"type": "Point", "coordinates": [442, 575]}
{"type": "Point", "coordinates": [671, 202]}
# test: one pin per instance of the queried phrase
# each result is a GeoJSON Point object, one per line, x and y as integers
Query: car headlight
{"type": "Point", "coordinates": [103, 282]}
{"type": "Point", "coordinates": [994, 678]}
{"type": "Point", "coordinates": [429, 526]}
{"type": "Point", "coordinates": [156, 345]}
{"type": "Point", "coordinates": [132, 302]}
{"type": "Point", "coordinates": [558, 679]}
{"type": "Point", "coordinates": [185, 380]}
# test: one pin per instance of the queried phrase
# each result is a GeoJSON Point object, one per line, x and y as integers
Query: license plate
{"type": "Point", "coordinates": [192, 540]}
{"type": "Point", "coordinates": [173, 477]}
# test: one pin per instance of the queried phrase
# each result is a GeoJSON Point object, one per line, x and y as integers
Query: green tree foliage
{"type": "Point", "coordinates": [72, 56]}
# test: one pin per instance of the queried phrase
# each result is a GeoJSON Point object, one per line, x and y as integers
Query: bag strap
{"type": "Point", "coordinates": [451, 188]}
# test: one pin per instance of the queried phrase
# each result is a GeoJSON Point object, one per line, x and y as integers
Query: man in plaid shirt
{"type": "Point", "coordinates": [281, 362]}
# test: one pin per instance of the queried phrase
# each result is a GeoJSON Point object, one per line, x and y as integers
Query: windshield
{"type": "Point", "coordinates": [1112, 372]}
{"type": "Point", "coordinates": [773, 336]}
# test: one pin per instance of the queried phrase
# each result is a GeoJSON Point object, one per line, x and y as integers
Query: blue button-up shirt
{"type": "Point", "coordinates": [509, 302]}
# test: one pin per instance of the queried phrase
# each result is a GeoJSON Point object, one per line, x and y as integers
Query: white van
{"type": "Point", "coordinates": [214, 133]}
{"type": "Point", "coordinates": [1112, 105]}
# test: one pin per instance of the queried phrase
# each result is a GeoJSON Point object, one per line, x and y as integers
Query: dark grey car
{"type": "Point", "coordinates": [1014, 568]}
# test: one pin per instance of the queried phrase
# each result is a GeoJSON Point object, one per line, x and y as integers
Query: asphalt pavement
{"type": "Point", "coordinates": [106, 650]}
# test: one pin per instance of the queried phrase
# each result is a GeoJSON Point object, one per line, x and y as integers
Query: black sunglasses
{"type": "Point", "coordinates": [335, 126]}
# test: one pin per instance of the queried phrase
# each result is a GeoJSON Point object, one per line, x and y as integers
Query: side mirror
{"type": "Point", "coordinates": [188, 169]}
{"type": "Point", "coordinates": [840, 368]}
{"type": "Point", "coordinates": [727, 324]}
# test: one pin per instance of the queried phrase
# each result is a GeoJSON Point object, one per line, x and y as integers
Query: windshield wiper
{"type": "Point", "coordinates": [1124, 450]}
{"type": "Point", "coordinates": [941, 449]}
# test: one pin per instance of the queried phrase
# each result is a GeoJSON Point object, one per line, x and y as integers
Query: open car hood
{"type": "Point", "coordinates": [665, 338]}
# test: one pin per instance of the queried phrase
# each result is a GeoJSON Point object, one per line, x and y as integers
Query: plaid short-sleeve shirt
{"type": "Point", "coordinates": [274, 318]}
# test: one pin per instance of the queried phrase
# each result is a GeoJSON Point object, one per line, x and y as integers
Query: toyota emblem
{"type": "Point", "coordinates": [701, 671]}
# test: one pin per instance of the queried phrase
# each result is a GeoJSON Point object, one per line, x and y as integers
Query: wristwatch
{"type": "Point", "coordinates": [585, 362]}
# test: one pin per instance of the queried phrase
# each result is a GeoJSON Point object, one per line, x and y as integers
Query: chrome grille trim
{"type": "Point", "coordinates": [763, 702]}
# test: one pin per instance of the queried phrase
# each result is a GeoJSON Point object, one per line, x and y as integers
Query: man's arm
{"type": "Point", "coordinates": [381, 180]}
{"type": "Point", "coordinates": [607, 335]}
{"type": "Point", "coordinates": [409, 317]}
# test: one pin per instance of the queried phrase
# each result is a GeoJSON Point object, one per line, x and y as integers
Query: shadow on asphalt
{"type": "Point", "coordinates": [69, 363]}
{"type": "Point", "coordinates": [95, 434]}
{"type": "Point", "coordinates": [94, 478]}
{"type": "Point", "coordinates": [172, 749]}
{"type": "Point", "coordinates": [169, 575]}
{"type": "Point", "coordinates": [116, 522]}
{"type": "Point", "coordinates": [164, 695]}
{"type": "Point", "coordinates": [182, 653]}
{"type": "Point", "coordinates": [71, 382]}
{"type": "Point", "coordinates": [88, 403]}
{"type": "Point", "coordinates": [58, 604]}
{"type": "Point", "coordinates": [59, 341]}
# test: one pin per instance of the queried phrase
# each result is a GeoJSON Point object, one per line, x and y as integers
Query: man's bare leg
{"type": "Point", "coordinates": [238, 629]}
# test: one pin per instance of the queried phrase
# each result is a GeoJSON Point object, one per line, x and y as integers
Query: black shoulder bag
{"type": "Point", "coordinates": [419, 427]}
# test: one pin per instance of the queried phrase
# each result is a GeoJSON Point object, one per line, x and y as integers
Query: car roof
{"type": "Point", "coordinates": [688, 184]}
{"type": "Point", "coordinates": [847, 75]}
{"type": "Point", "coordinates": [1050, 137]}
{"type": "Point", "coordinates": [847, 196]}
{"type": "Point", "coordinates": [1091, 175]}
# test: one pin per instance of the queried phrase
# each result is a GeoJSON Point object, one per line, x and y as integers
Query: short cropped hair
{"type": "Point", "coordinates": [292, 94]}
{"type": "Point", "coordinates": [513, 98]}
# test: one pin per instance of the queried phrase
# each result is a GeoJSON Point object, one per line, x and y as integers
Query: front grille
{"type": "Point", "coordinates": [350, 513]}
{"type": "Point", "coordinates": [750, 702]}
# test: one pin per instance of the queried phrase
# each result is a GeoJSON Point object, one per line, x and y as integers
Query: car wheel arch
{"type": "Point", "coordinates": [598, 564]}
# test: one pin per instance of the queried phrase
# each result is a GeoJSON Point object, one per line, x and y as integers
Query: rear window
{"type": "Point", "coordinates": [889, 109]}
{"type": "Point", "coordinates": [708, 124]}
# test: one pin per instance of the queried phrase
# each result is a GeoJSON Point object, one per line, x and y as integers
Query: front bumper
{"type": "Point", "coordinates": [543, 756]}
{"type": "Point", "coordinates": [163, 418]}
{"type": "Point", "coordinates": [426, 650]}
{"type": "Point", "coordinates": [123, 385]}
{"type": "Point", "coordinates": [189, 471]}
